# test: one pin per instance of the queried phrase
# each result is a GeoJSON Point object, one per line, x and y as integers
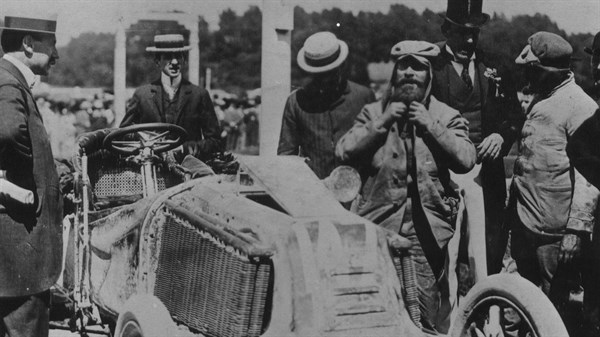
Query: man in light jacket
{"type": "Point", "coordinates": [551, 204]}
{"type": "Point", "coordinates": [404, 146]}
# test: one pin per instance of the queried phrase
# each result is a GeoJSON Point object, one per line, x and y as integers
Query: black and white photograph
{"type": "Point", "coordinates": [299, 168]}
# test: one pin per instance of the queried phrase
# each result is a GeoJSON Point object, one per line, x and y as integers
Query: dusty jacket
{"type": "Point", "coordinates": [380, 156]}
{"type": "Point", "coordinates": [551, 195]}
{"type": "Point", "coordinates": [30, 236]}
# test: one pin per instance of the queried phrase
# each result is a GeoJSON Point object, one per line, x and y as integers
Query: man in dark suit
{"type": "Point", "coordinates": [172, 99]}
{"type": "Point", "coordinates": [484, 95]}
{"type": "Point", "coordinates": [30, 235]}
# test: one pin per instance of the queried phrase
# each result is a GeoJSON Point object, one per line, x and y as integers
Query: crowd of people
{"type": "Point", "coordinates": [433, 141]}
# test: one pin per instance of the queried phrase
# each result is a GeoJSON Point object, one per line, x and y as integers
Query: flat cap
{"type": "Point", "coordinates": [546, 49]}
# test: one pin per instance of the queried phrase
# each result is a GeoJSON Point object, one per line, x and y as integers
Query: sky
{"type": "Point", "coordinates": [79, 16]}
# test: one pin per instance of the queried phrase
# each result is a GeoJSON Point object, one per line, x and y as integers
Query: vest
{"type": "Point", "coordinates": [467, 103]}
{"type": "Point", "coordinates": [170, 107]}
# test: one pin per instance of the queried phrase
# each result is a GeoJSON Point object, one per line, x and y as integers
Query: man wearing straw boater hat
{"type": "Point", "coordinates": [317, 115]}
{"type": "Point", "coordinates": [173, 99]}
{"type": "Point", "coordinates": [484, 95]}
{"type": "Point", "coordinates": [30, 234]}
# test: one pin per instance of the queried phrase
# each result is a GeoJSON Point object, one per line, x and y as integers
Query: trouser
{"type": "Point", "coordinates": [536, 257]}
{"type": "Point", "coordinates": [26, 316]}
{"type": "Point", "coordinates": [591, 285]}
{"type": "Point", "coordinates": [434, 299]}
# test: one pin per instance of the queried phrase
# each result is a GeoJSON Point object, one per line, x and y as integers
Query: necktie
{"type": "Point", "coordinates": [466, 77]}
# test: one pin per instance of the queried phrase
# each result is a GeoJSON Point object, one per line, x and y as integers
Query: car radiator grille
{"type": "Point", "coordinates": [208, 284]}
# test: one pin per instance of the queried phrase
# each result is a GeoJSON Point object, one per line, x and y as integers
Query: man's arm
{"type": "Point", "coordinates": [507, 121]}
{"type": "Point", "coordinates": [132, 111]}
{"type": "Point", "coordinates": [447, 137]}
{"type": "Point", "coordinates": [364, 138]}
{"type": "Point", "coordinates": [580, 223]}
{"type": "Point", "coordinates": [510, 115]}
{"type": "Point", "coordinates": [211, 131]}
{"type": "Point", "coordinates": [583, 149]}
{"type": "Point", "coordinates": [13, 128]}
{"type": "Point", "coordinates": [289, 136]}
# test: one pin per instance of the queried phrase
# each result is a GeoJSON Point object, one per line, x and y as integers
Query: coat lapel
{"type": "Point", "coordinates": [8, 66]}
{"type": "Point", "coordinates": [483, 82]}
{"type": "Point", "coordinates": [185, 93]}
{"type": "Point", "coordinates": [445, 72]}
{"type": "Point", "coordinates": [157, 98]}
{"type": "Point", "coordinates": [15, 72]}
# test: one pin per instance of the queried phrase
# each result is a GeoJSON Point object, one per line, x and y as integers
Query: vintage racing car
{"type": "Point", "coordinates": [263, 249]}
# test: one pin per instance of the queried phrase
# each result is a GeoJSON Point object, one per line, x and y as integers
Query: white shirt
{"type": "Point", "coordinates": [30, 77]}
{"type": "Point", "coordinates": [169, 86]}
{"type": "Point", "coordinates": [459, 66]}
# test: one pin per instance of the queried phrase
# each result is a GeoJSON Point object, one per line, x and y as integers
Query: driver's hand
{"type": "Point", "coordinates": [192, 148]}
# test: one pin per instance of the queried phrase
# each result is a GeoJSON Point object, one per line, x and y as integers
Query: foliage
{"type": "Point", "coordinates": [233, 50]}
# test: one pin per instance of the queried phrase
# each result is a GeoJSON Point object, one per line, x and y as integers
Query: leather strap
{"type": "Point", "coordinates": [436, 257]}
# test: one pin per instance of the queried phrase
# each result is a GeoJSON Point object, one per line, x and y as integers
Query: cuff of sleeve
{"type": "Point", "coordinates": [378, 126]}
{"type": "Point", "coordinates": [575, 225]}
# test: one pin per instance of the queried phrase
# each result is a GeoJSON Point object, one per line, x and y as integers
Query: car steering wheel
{"type": "Point", "coordinates": [160, 137]}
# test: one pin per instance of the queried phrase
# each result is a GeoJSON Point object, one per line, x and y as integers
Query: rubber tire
{"type": "Point", "coordinates": [541, 313]}
{"type": "Point", "coordinates": [144, 316]}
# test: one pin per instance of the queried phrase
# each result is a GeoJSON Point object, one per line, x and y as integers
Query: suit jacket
{"type": "Point", "coordinates": [30, 236]}
{"type": "Point", "coordinates": [500, 113]}
{"type": "Point", "coordinates": [195, 113]}
{"type": "Point", "coordinates": [311, 127]}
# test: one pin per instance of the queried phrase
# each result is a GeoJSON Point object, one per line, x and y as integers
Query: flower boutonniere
{"type": "Point", "coordinates": [492, 74]}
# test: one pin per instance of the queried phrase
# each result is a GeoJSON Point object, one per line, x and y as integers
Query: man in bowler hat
{"type": "Point", "coordinates": [30, 234]}
{"type": "Point", "coordinates": [317, 115]}
{"type": "Point", "coordinates": [173, 99]}
{"type": "Point", "coordinates": [484, 95]}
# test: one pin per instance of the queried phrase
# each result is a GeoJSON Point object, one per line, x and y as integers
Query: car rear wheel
{"type": "Point", "coordinates": [144, 316]}
{"type": "Point", "coordinates": [506, 305]}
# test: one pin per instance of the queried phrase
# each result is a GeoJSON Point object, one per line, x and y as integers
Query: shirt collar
{"type": "Point", "coordinates": [449, 50]}
{"type": "Point", "coordinates": [30, 77]}
{"type": "Point", "coordinates": [167, 83]}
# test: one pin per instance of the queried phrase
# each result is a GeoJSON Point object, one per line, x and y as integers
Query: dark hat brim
{"type": "Point", "coordinates": [7, 29]}
{"type": "Point", "coordinates": [33, 25]}
{"type": "Point", "coordinates": [474, 21]}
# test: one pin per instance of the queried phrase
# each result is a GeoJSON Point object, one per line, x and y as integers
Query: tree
{"type": "Point", "coordinates": [87, 61]}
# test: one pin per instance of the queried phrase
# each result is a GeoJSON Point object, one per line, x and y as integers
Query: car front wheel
{"type": "Point", "coordinates": [507, 305]}
{"type": "Point", "coordinates": [144, 316]}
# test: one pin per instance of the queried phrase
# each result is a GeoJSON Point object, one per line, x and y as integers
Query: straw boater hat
{"type": "Point", "coordinates": [466, 13]}
{"type": "Point", "coordinates": [35, 25]}
{"type": "Point", "coordinates": [168, 43]}
{"type": "Point", "coordinates": [322, 52]}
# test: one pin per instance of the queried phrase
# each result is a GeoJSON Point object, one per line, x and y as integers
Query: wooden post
{"type": "Point", "coordinates": [277, 25]}
{"type": "Point", "coordinates": [120, 85]}
{"type": "Point", "coordinates": [194, 57]}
